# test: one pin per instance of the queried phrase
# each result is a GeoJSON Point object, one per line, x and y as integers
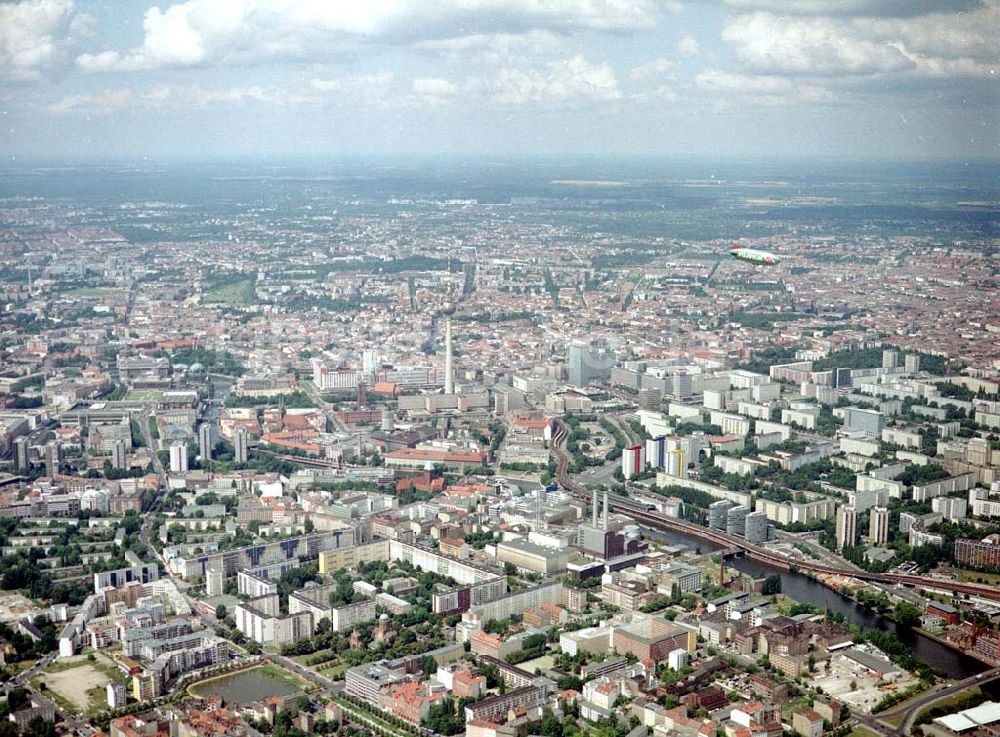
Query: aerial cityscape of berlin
{"type": "Point", "coordinates": [500, 368]}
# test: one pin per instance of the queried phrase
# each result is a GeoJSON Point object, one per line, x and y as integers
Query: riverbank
{"type": "Point", "coordinates": [941, 654]}
{"type": "Point", "coordinates": [806, 587]}
{"type": "Point", "coordinates": [955, 646]}
{"type": "Point", "coordinates": [850, 592]}
{"type": "Point", "coordinates": [889, 616]}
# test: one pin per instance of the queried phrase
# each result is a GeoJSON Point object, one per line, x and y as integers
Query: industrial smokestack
{"type": "Point", "coordinates": [606, 509]}
{"type": "Point", "coordinates": [449, 380]}
{"type": "Point", "coordinates": [593, 507]}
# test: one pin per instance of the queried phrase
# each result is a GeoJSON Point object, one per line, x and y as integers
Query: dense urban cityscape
{"type": "Point", "coordinates": [401, 456]}
{"type": "Point", "coordinates": [499, 368]}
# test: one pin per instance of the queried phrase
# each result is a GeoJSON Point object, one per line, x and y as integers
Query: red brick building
{"type": "Point", "coordinates": [943, 611]}
{"type": "Point", "coordinates": [412, 701]}
{"type": "Point", "coordinates": [709, 698]}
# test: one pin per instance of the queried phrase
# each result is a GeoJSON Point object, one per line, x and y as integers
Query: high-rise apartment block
{"type": "Point", "coordinates": [22, 457]}
{"type": "Point", "coordinates": [242, 445]}
{"type": "Point", "coordinates": [755, 528]}
{"type": "Point", "coordinates": [878, 526]}
{"type": "Point", "coordinates": [847, 527]}
{"type": "Point", "coordinates": [179, 458]}
{"type": "Point", "coordinates": [207, 438]}
{"type": "Point", "coordinates": [983, 553]}
{"type": "Point", "coordinates": [633, 461]}
{"type": "Point", "coordinates": [119, 455]}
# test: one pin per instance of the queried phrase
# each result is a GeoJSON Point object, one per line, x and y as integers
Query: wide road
{"type": "Point", "coordinates": [911, 709]}
{"type": "Point", "coordinates": [22, 678]}
{"type": "Point", "coordinates": [314, 394]}
{"type": "Point", "coordinates": [150, 514]}
{"type": "Point", "coordinates": [874, 724]}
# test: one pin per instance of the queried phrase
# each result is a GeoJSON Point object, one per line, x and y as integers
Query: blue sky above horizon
{"type": "Point", "coordinates": [905, 79]}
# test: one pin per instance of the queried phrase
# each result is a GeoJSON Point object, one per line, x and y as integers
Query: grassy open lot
{"type": "Point", "coordinates": [78, 684]}
{"type": "Point", "coordinates": [287, 676]}
{"type": "Point", "coordinates": [543, 662]}
{"type": "Point", "coordinates": [332, 671]}
{"type": "Point", "coordinates": [955, 702]}
{"type": "Point", "coordinates": [860, 731]}
{"type": "Point", "coordinates": [142, 395]}
{"type": "Point", "coordinates": [234, 294]}
{"type": "Point", "coordinates": [790, 707]}
{"type": "Point", "coordinates": [992, 579]}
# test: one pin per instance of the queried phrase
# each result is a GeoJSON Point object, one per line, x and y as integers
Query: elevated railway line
{"type": "Point", "coordinates": [641, 513]}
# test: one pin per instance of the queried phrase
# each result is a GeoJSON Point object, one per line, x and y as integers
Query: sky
{"type": "Point", "coordinates": [843, 79]}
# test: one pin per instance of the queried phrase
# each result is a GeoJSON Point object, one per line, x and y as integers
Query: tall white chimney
{"type": "Point", "coordinates": [449, 379]}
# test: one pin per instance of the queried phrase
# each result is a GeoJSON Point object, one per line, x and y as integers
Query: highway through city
{"type": "Point", "coordinates": [911, 709]}
{"type": "Point", "coordinates": [150, 514]}
{"type": "Point", "coordinates": [316, 396]}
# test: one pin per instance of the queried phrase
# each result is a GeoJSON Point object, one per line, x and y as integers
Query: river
{"type": "Point", "coordinates": [801, 588]}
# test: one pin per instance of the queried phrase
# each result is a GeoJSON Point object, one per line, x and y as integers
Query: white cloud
{"type": "Point", "coordinates": [97, 104]}
{"type": "Point", "coordinates": [688, 46]}
{"type": "Point", "coordinates": [974, 35]}
{"type": "Point", "coordinates": [569, 80]}
{"type": "Point", "coordinates": [658, 68]}
{"type": "Point", "coordinates": [857, 7]}
{"type": "Point", "coordinates": [197, 96]}
{"type": "Point", "coordinates": [714, 80]}
{"type": "Point", "coordinates": [650, 82]}
{"type": "Point", "coordinates": [181, 35]}
{"type": "Point", "coordinates": [493, 47]}
{"type": "Point", "coordinates": [35, 35]}
{"type": "Point", "coordinates": [934, 45]}
{"type": "Point", "coordinates": [434, 87]}
{"type": "Point", "coordinates": [813, 93]}
{"type": "Point", "coordinates": [371, 87]}
{"type": "Point", "coordinates": [177, 96]}
{"type": "Point", "coordinates": [796, 45]}
{"type": "Point", "coordinates": [199, 32]}
{"type": "Point", "coordinates": [760, 89]}
{"type": "Point", "coordinates": [930, 67]}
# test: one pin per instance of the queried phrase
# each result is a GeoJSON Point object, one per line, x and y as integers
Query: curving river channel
{"type": "Point", "coordinates": [804, 589]}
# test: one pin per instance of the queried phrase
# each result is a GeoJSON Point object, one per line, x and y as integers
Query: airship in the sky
{"type": "Point", "coordinates": [762, 258]}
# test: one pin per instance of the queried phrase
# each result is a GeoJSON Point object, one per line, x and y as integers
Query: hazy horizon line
{"type": "Point", "coordinates": [497, 158]}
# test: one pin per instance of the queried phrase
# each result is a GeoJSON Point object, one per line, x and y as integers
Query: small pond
{"type": "Point", "coordinates": [247, 685]}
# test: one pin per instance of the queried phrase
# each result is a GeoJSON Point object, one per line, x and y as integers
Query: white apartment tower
{"type": "Point", "coordinates": [178, 458]}
{"type": "Point", "coordinates": [878, 526]}
{"type": "Point", "coordinates": [847, 527]}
